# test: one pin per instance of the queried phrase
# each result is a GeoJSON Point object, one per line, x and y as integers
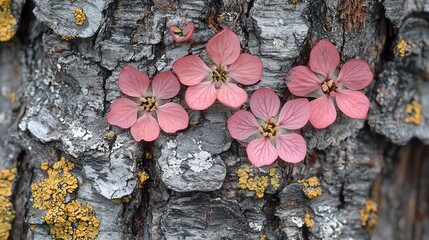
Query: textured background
{"type": "Point", "coordinates": [58, 78]}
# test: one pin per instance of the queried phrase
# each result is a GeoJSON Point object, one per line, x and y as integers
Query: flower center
{"type": "Point", "coordinates": [268, 129]}
{"type": "Point", "coordinates": [148, 104]}
{"type": "Point", "coordinates": [328, 86]}
{"type": "Point", "coordinates": [180, 33]}
{"type": "Point", "coordinates": [219, 75]}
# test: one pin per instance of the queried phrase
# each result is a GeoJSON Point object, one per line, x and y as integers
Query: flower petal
{"type": "Point", "coordinates": [191, 70]}
{"type": "Point", "coordinates": [322, 112]}
{"type": "Point", "coordinates": [132, 82]}
{"type": "Point", "coordinates": [291, 147]}
{"type": "Point", "coordinates": [123, 113]}
{"type": "Point", "coordinates": [294, 114]}
{"type": "Point", "coordinates": [177, 33]}
{"type": "Point", "coordinates": [146, 128]}
{"type": "Point", "coordinates": [352, 103]}
{"type": "Point", "coordinates": [264, 103]}
{"type": "Point", "coordinates": [200, 96]}
{"type": "Point", "coordinates": [172, 117]}
{"type": "Point", "coordinates": [231, 95]}
{"type": "Point", "coordinates": [165, 85]}
{"type": "Point", "coordinates": [224, 47]}
{"type": "Point", "coordinates": [301, 81]}
{"type": "Point", "coordinates": [261, 152]}
{"type": "Point", "coordinates": [355, 74]}
{"type": "Point", "coordinates": [242, 125]}
{"type": "Point", "coordinates": [247, 69]}
{"type": "Point", "coordinates": [324, 58]}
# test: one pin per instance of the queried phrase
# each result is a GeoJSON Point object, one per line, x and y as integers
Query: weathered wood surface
{"type": "Point", "coordinates": [63, 90]}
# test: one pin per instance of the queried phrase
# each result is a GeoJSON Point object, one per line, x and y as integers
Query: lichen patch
{"type": "Point", "coordinates": [7, 21]}
{"type": "Point", "coordinates": [368, 215]}
{"type": "Point", "coordinates": [79, 16]}
{"type": "Point", "coordinates": [312, 187]}
{"type": "Point", "coordinates": [402, 48]}
{"type": "Point", "coordinates": [414, 112]}
{"type": "Point", "coordinates": [7, 213]}
{"type": "Point", "coordinates": [249, 180]}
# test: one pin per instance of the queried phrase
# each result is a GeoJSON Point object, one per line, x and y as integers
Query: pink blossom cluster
{"type": "Point", "coordinates": [270, 129]}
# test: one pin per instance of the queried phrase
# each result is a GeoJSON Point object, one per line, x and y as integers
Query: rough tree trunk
{"type": "Point", "coordinates": [58, 78]}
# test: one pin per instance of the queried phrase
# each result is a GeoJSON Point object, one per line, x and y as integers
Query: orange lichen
{"type": "Point", "coordinates": [52, 191]}
{"type": "Point", "coordinates": [402, 48]}
{"type": "Point", "coordinates": [248, 181]}
{"type": "Point", "coordinates": [69, 220]}
{"type": "Point", "coordinates": [7, 21]}
{"type": "Point", "coordinates": [414, 113]}
{"type": "Point", "coordinates": [72, 221]}
{"type": "Point", "coordinates": [7, 214]}
{"type": "Point", "coordinates": [353, 13]}
{"type": "Point", "coordinates": [68, 37]}
{"type": "Point", "coordinates": [143, 177]}
{"type": "Point", "coordinates": [79, 16]}
{"type": "Point", "coordinates": [12, 97]}
{"type": "Point", "coordinates": [368, 214]}
{"type": "Point", "coordinates": [312, 187]}
{"type": "Point", "coordinates": [309, 222]}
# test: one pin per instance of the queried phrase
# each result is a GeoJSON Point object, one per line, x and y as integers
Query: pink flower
{"type": "Point", "coordinates": [146, 103]}
{"type": "Point", "coordinates": [206, 84]}
{"type": "Point", "coordinates": [322, 81]}
{"type": "Point", "coordinates": [274, 133]}
{"type": "Point", "coordinates": [181, 34]}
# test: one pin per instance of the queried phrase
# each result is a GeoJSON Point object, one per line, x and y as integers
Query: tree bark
{"type": "Point", "coordinates": [59, 74]}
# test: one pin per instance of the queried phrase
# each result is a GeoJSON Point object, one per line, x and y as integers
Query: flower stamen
{"type": "Point", "coordinates": [219, 75]}
{"type": "Point", "coordinates": [328, 86]}
{"type": "Point", "coordinates": [148, 104]}
{"type": "Point", "coordinates": [268, 129]}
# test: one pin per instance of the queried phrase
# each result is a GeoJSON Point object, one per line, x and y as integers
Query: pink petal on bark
{"type": "Point", "coordinates": [172, 117]}
{"type": "Point", "coordinates": [322, 112]}
{"type": "Point", "coordinates": [123, 113]}
{"type": "Point", "coordinates": [132, 82]}
{"type": "Point", "coordinates": [224, 47]}
{"type": "Point", "coordinates": [324, 58]}
{"type": "Point", "coordinates": [246, 70]}
{"type": "Point", "coordinates": [191, 70]}
{"type": "Point", "coordinates": [242, 125]}
{"type": "Point", "coordinates": [264, 103]}
{"type": "Point", "coordinates": [294, 114]}
{"type": "Point", "coordinates": [261, 152]}
{"type": "Point", "coordinates": [231, 95]}
{"type": "Point", "coordinates": [146, 128]}
{"type": "Point", "coordinates": [355, 74]}
{"type": "Point", "coordinates": [165, 85]}
{"type": "Point", "coordinates": [201, 96]}
{"type": "Point", "coordinates": [352, 103]}
{"type": "Point", "coordinates": [301, 81]}
{"type": "Point", "coordinates": [189, 28]}
{"type": "Point", "coordinates": [291, 147]}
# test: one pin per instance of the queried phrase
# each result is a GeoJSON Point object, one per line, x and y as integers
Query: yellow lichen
{"type": "Point", "coordinates": [79, 16]}
{"type": "Point", "coordinates": [72, 221]}
{"type": "Point", "coordinates": [7, 21]}
{"type": "Point", "coordinates": [312, 188]}
{"type": "Point", "coordinates": [248, 181]}
{"type": "Point", "coordinates": [12, 97]}
{"type": "Point", "coordinates": [7, 214]}
{"type": "Point", "coordinates": [52, 191]}
{"type": "Point", "coordinates": [368, 214]}
{"type": "Point", "coordinates": [68, 37]}
{"type": "Point", "coordinates": [143, 177]}
{"type": "Point", "coordinates": [263, 237]}
{"type": "Point", "coordinates": [402, 47]}
{"type": "Point", "coordinates": [414, 113]}
{"type": "Point", "coordinates": [309, 222]}
{"type": "Point", "coordinates": [294, 1]}
{"type": "Point", "coordinates": [148, 155]}
{"type": "Point", "coordinates": [69, 220]}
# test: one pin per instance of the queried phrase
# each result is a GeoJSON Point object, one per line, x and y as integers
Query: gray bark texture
{"type": "Point", "coordinates": [58, 78]}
